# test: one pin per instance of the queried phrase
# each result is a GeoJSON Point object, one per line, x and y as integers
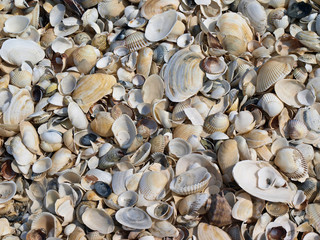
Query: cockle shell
{"type": "Point", "coordinates": [218, 122]}
{"type": "Point", "coordinates": [136, 41]}
{"type": "Point", "coordinates": [234, 39]}
{"type": "Point", "coordinates": [292, 164]}
{"type": "Point", "coordinates": [98, 219]}
{"type": "Point", "coordinates": [252, 181]}
{"type": "Point", "coordinates": [124, 131]}
{"type": "Point", "coordinates": [7, 191]}
{"type": "Point", "coordinates": [134, 218]}
{"type": "Point", "coordinates": [191, 181]}
{"type": "Point", "coordinates": [16, 24]}
{"type": "Point", "coordinates": [183, 63]}
{"type": "Point", "coordinates": [274, 70]}
{"type": "Point", "coordinates": [297, 129]}
{"type": "Point", "coordinates": [92, 88]}
{"type": "Point", "coordinates": [228, 156]}
{"type": "Point", "coordinates": [312, 213]}
{"type": "Point", "coordinates": [17, 51]}
{"type": "Point", "coordinates": [191, 204]}
{"type": "Point", "coordinates": [153, 7]}
{"type": "Point", "coordinates": [271, 104]}
{"type": "Point", "coordinates": [309, 39]}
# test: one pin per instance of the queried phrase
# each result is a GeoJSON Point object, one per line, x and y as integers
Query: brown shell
{"type": "Point", "coordinates": [277, 209]}
{"type": "Point", "coordinates": [220, 211]}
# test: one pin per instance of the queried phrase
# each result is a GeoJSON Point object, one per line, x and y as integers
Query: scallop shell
{"type": "Point", "coordinates": [92, 88]}
{"type": "Point", "coordinates": [191, 181]}
{"type": "Point", "coordinates": [160, 25]}
{"type": "Point", "coordinates": [297, 129]}
{"type": "Point", "coordinates": [183, 63]}
{"type": "Point", "coordinates": [133, 218]}
{"type": "Point", "coordinates": [271, 104]}
{"type": "Point", "coordinates": [7, 191]}
{"type": "Point", "coordinates": [218, 122]}
{"type": "Point", "coordinates": [124, 131]}
{"type": "Point", "coordinates": [17, 51]}
{"type": "Point", "coordinates": [136, 41]}
{"type": "Point", "coordinates": [274, 70]}
{"type": "Point", "coordinates": [309, 39]}
{"type": "Point", "coordinates": [152, 185]}
{"type": "Point", "coordinates": [98, 219]}
{"type": "Point", "coordinates": [292, 164]}
{"type": "Point", "coordinates": [282, 193]}
{"type": "Point", "coordinates": [154, 7]}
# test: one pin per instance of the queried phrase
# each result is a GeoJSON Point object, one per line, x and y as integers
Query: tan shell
{"type": "Point", "coordinates": [30, 137]}
{"type": "Point", "coordinates": [98, 219]}
{"type": "Point", "coordinates": [218, 122]}
{"type": "Point", "coordinates": [124, 131]}
{"type": "Point", "coordinates": [271, 104]}
{"type": "Point", "coordinates": [92, 88]}
{"type": "Point", "coordinates": [184, 131]}
{"type": "Point", "coordinates": [287, 90]}
{"type": "Point", "coordinates": [274, 70]}
{"type": "Point", "coordinates": [243, 208]}
{"type": "Point", "coordinates": [292, 164]}
{"type": "Point", "coordinates": [49, 223]}
{"type": "Point", "coordinates": [257, 138]}
{"type": "Point", "coordinates": [152, 185]}
{"type": "Point", "coordinates": [277, 209]}
{"type": "Point", "coordinates": [153, 7]}
{"type": "Point", "coordinates": [208, 232]}
{"type": "Point", "coordinates": [191, 204]}
{"type": "Point", "coordinates": [228, 156]}
{"type": "Point", "coordinates": [102, 124]}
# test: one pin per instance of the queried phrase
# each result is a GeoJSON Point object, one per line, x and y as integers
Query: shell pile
{"type": "Point", "coordinates": [159, 119]}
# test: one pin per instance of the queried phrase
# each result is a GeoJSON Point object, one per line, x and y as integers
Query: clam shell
{"type": "Point", "coordinates": [57, 14]}
{"type": "Point", "coordinates": [191, 204]}
{"type": "Point", "coordinates": [59, 160]}
{"type": "Point", "coordinates": [292, 164]}
{"type": "Point", "coordinates": [160, 25]}
{"type": "Point", "coordinates": [277, 209]}
{"type": "Point", "coordinates": [309, 39]}
{"type": "Point", "coordinates": [110, 8]}
{"type": "Point", "coordinates": [128, 199]}
{"type": "Point", "coordinates": [283, 193]}
{"type": "Point", "coordinates": [8, 190]}
{"type": "Point", "coordinates": [20, 153]}
{"type": "Point", "coordinates": [287, 90]}
{"type": "Point", "coordinates": [124, 131]}
{"type": "Point", "coordinates": [140, 156]}
{"type": "Point", "coordinates": [282, 225]}
{"type": "Point", "coordinates": [244, 122]}
{"type": "Point", "coordinates": [179, 147]}
{"type": "Point", "coordinates": [163, 229]}
{"type": "Point", "coordinates": [207, 232]}
{"type": "Point", "coordinates": [218, 122]}
{"type": "Point", "coordinates": [257, 138]}
{"type": "Point", "coordinates": [84, 58]}
{"type": "Point", "coordinates": [76, 116]}
{"type": "Point", "coordinates": [191, 181]}
{"type": "Point", "coordinates": [228, 156]}
{"type": "Point", "coordinates": [42, 165]}
{"type": "Point", "coordinates": [154, 7]}
{"type": "Point", "coordinates": [17, 51]}
{"type": "Point", "coordinates": [243, 208]}
{"type": "Point", "coordinates": [92, 88]}
{"type": "Point", "coordinates": [183, 63]}
{"type": "Point", "coordinates": [160, 211]}
{"type": "Point", "coordinates": [102, 124]}
{"type": "Point", "coordinates": [153, 88]}
{"type": "Point", "coordinates": [152, 185]}
{"type": "Point", "coordinates": [16, 24]}
{"type": "Point", "coordinates": [98, 219]}
{"type": "Point", "coordinates": [271, 104]}
{"type": "Point", "coordinates": [133, 218]}
{"type": "Point", "coordinates": [274, 70]}
{"type": "Point", "coordinates": [30, 137]}
{"type": "Point", "coordinates": [48, 222]}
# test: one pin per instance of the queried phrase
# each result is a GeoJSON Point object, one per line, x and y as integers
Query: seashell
{"type": "Point", "coordinates": [36, 234]}
{"type": "Point", "coordinates": [99, 220]}
{"type": "Point", "coordinates": [7, 191]}
{"type": "Point", "coordinates": [20, 78]}
{"type": "Point", "coordinates": [252, 183]}
{"type": "Point", "coordinates": [76, 116]}
{"type": "Point", "coordinates": [243, 208]}
{"type": "Point", "coordinates": [160, 25]}
{"type": "Point", "coordinates": [102, 124]}
{"type": "Point", "coordinates": [309, 187]}
{"type": "Point", "coordinates": [311, 236]}
{"type": "Point", "coordinates": [136, 41]}
{"type": "Point", "coordinates": [212, 10]}
{"type": "Point", "coordinates": [152, 185]}
{"type": "Point", "coordinates": [163, 229]}
{"type": "Point", "coordinates": [207, 232]}
{"type": "Point", "coordinates": [214, 67]}
{"type": "Point", "coordinates": [30, 137]}
{"type": "Point", "coordinates": [20, 107]}
{"type": "Point", "coordinates": [314, 84]}
{"type": "Point", "coordinates": [99, 84]}
{"type": "Point", "coordinates": [286, 86]}
{"type": "Point", "coordinates": [278, 18]}
{"type": "Point", "coordinates": [218, 122]}
{"type": "Point", "coordinates": [59, 160]}
{"type": "Point", "coordinates": [42, 165]}
{"type": "Point", "coordinates": [133, 218]}
{"type": "Point", "coordinates": [219, 213]}
{"type": "Point", "coordinates": [144, 61]}
{"type": "Point", "coordinates": [228, 156]}
{"type": "Point", "coordinates": [257, 138]}
{"type": "Point", "coordinates": [157, 144]}
{"type": "Point", "coordinates": [274, 70]}
{"type": "Point", "coordinates": [17, 51]}
{"type": "Point", "coordinates": [48, 222]}
{"type": "Point", "coordinates": [185, 40]}
{"type": "Point", "coordinates": [20, 153]}
{"type": "Point", "coordinates": [118, 178]}
{"type": "Point", "coordinates": [183, 63]}
{"type": "Point", "coordinates": [94, 175]}
{"type": "Point", "coordinates": [191, 181]}
{"type": "Point", "coordinates": [110, 8]}
{"type": "Point", "coordinates": [152, 89]}
{"type": "Point", "coordinates": [271, 104]}
{"type": "Point", "coordinates": [16, 24]}
{"type": "Point", "coordinates": [154, 7]}
{"type": "Point", "coordinates": [312, 214]}
{"type": "Point", "coordinates": [140, 156]}
{"type": "Point", "coordinates": [128, 199]}
{"type": "Point", "coordinates": [244, 122]}
{"type": "Point", "coordinates": [124, 131]}
{"type": "Point", "coordinates": [102, 189]}
{"type": "Point", "coordinates": [299, 10]}
{"type": "Point", "coordinates": [57, 14]}
{"type": "Point", "coordinates": [296, 129]}
{"type": "Point", "coordinates": [84, 58]}
{"type": "Point", "coordinates": [309, 39]}
{"type": "Point", "coordinates": [292, 164]}
{"type": "Point", "coordinates": [234, 39]}
{"type": "Point", "coordinates": [282, 227]}
{"type": "Point", "coordinates": [277, 209]}
{"type": "Point", "coordinates": [255, 12]}
{"type": "Point", "coordinates": [160, 211]}
{"type": "Point", "coordinates": [192, 204]}
{"type": "Point", "coordinates": [179, 147]}
{"type": "Point", "coordinates": [110, 158]}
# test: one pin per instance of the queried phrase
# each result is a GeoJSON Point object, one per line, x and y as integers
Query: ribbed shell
{"type": "Point", "coordinates": [271, 104]}
{"type": "Point", "coordinates": [183, 76]}
{"type": "Point", "coordinates": [297, 129]}
{"type": "Point", "coordinates": [136, 41]}
{"type": "Point", "coordinates": [313, 215]}
{"type": "Point", "coordinates": [218, 122]}
{"type": "Point", "coordinates": [274, 70]}
{"type": "Point", "coordinates": [309, 187]}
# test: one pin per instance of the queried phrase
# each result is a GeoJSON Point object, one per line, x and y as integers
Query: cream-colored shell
{"type": "Point", "coordinates": [271, 104]}
{"type": "Point", "coordinates": [134, 218]}
{"type": "Point", "coordinates": [124, 131]}
{"type": "Point", "coordinates": [152, 185]}
{"type": "Point", "coordinates": [7, 191]}
{"type": "Point", "coordinates": [98, 219]}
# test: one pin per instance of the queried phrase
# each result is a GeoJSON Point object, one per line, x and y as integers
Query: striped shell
{"type": "Point", "coordinates": [136, 41]}
{"type": "Point", "coordinates": [274, 70]}
{"type": "Point", "coordinates": [218, 122]}
{"type": "Point", "coordinates": [297, 129]}
{"type": "Point", "coordinates": [312, 211]}
{"type": "Point", "coordinates": [182, 75]}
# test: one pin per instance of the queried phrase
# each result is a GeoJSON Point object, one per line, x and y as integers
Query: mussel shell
{"type": "Point", "coordinates": [299, 10]}
{"type": "Point", "coordinates": [87, 139]}
{"type": "Point", "coordinates": [102, 189]}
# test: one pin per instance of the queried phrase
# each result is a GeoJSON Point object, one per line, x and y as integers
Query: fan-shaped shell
{"type": "Point", "coordinates": [297, 129]}
{"type": "Point", "coordinates": [191, 181]}
{"type": "Point", "coordinates": [124, 130]}
{"type": "Point", "coordinates": [92, 88]}
{"type": "Point", "coordinates": [7, 191]}
{"type": "Point", "coordinates": [17, 51]}
{"type": "Point", "coordinates": [98, 219]}
{"type": "Point", "coordinates": [208, 232]}
{"type": "Point", "coordinates": [292, 164]}
{"type": "Point", "coordinates": [136, 41]}
{"type": "Point", "coordinates": [153, 7]}
{"type": "Point", "coordinates": [274, 70]}
{"type": "Point", "coordinates": [183, 63]}
{"type": "Point", "coordinates": [249, 183]}
{"type": "Point", "coordinates": [152, 185]}
{"type": "Point", "coordinates": [312, 211]}
{"type": "Point", "coordinates": [134, 218]}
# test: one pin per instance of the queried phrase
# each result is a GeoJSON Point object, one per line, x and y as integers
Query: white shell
{"type": "Point", "coordinates": [16, 24]}
{"type": "Point", "coordinates": [98, 219]}
{"type": "Point", "coordinates": [42, 165]}
{"type": "Point", "coordinates": [61, 44]}
{"type": "Point", "coordinates": [76, 116]}
{"type": "Point", "coordinates": [124, 131]}
{"type": "Point", "coordinates": [17, 51]}
{"type": "Point", "coordinates": [57, 14]}
{"type": "Point", "coordinates": [133, 218]}
{"type": "Point", "coordinates": [7, 191]}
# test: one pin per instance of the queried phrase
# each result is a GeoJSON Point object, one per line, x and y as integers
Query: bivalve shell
{"type": "Point", "coordinates": [208, 232]}
{"type": "Point", "coordinates": [98, 219]}
{"type": "Point", "coordinates": [218, 122]}
{"type": "Point", "coordinates": [152, 185]}
{"type": "Point", "coordinates": [271, 104]}
{"type": "Point", "coordinates": [124, 131]}
{"type": "Point", "coordinates": [154, 7]}
{"type": "Point", "coordinates": [133, 218]}
{"type": "Point", "coordinates": [7, 191]}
